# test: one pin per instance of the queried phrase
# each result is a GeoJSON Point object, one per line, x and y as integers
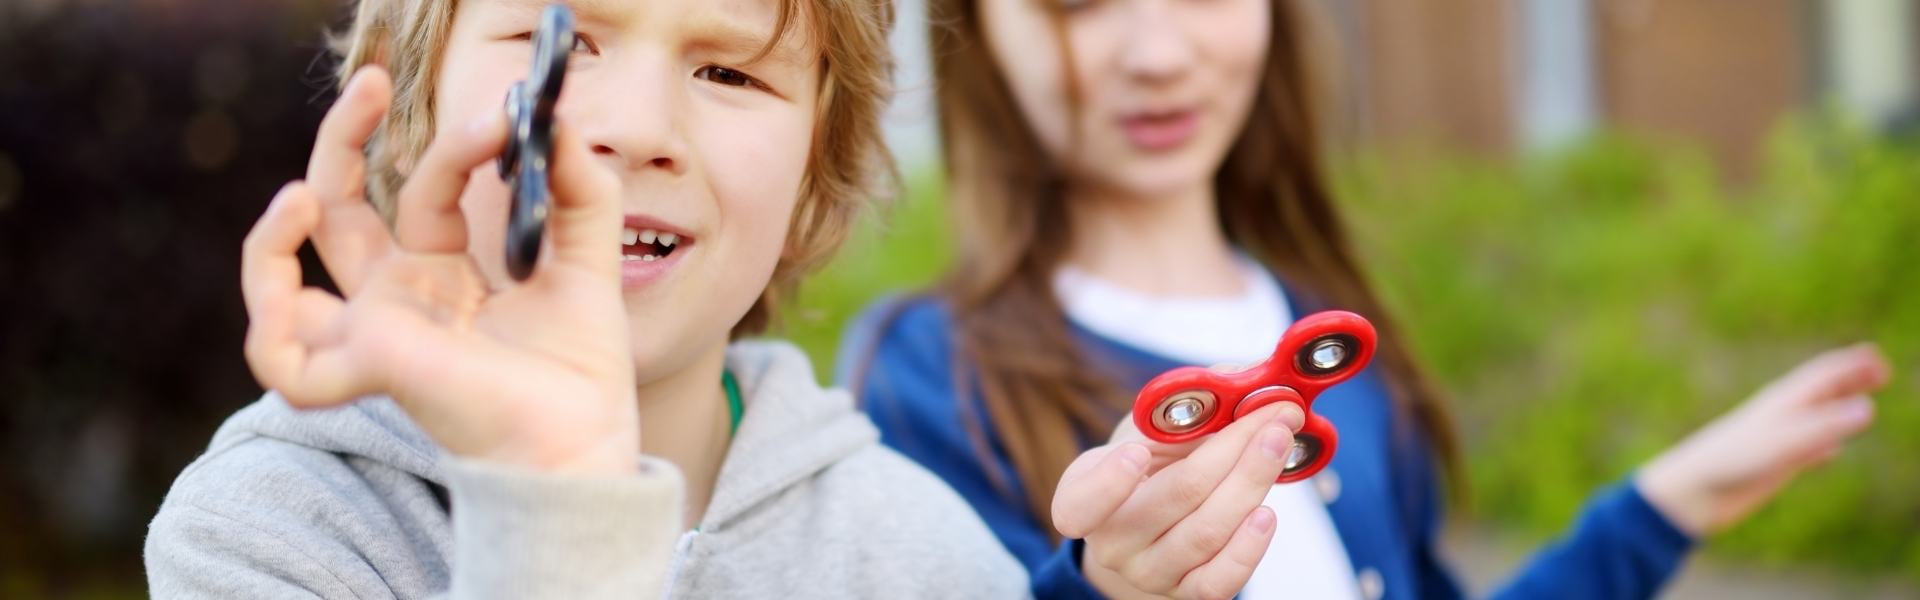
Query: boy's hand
{"type": "Point", "coordinates": [538, 374]}
{"type": "Point", "coordinates": [350, 235]}
{"type": "Point", "coordinates": [1734, 465]}
{"type": "Point", "coordinates": [1177, 520]}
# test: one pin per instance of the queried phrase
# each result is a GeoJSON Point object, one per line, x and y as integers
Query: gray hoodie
{"type": "Point", "coordinates": [355, 502]}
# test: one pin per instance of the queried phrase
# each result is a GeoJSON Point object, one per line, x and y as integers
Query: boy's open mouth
{"type": "Point", "coordinates": [647, 244]}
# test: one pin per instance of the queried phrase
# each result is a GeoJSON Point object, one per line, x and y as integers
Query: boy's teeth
{"type": "Point", "coordinates": [647, 236]}
{"type": "Point", "coordinates": [649, 258]}
{"type": "Point", "coordinates": [629, 236]}
{"type": "Point", "coordinates": [668, 239]}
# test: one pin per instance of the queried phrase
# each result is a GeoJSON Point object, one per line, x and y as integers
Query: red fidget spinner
{"type": "Point", "coordinates": [1316, 353]}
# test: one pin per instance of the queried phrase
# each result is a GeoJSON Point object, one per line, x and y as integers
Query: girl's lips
{"type": "Point", "coordinates": [1160, 132]}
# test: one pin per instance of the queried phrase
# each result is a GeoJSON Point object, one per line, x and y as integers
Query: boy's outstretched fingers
{"type": "Point", "coordinates": [1228, 572]}
{"type": "Point", "coordinates": [350, 235]}
{"type": "Point", "coordinates": [429, 217]}
{"type": "Point", "coordinates": [1095, 485]}
{"type": "Point", "coordinates": [283, 315]}
{"type": "Point", "coordinates": [585, 224]}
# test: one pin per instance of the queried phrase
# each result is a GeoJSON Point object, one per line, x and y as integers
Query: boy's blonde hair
{"type": "Point", "coordinates": [847, 169]}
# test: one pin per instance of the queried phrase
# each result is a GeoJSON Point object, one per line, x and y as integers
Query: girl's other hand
{"type": "Point", "coordinates": [537, 374]}
{"type": "Point", "coordinates": [1177, 520]}
{"type": "Point", "coordinates": [1733, 466]}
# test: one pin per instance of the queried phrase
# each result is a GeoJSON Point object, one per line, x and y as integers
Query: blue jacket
{"type": "Point", "coordinates": [1384, 497]}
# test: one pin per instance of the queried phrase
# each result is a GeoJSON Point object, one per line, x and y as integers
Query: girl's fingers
{"type": "Point", "coordinates": [1227, 572]}
{"type": "Point", "coordinates": [1819, 430]}
{"type": "Point", "coordinates": [1178, 490]}
{"type": "Point", "coordinates": [351, 234]}
{"type": "Point", "coordinates": [587, 217]}
{"type": "Point", "coordinates": [1835, 374]}
{"type": "Point", "coordinates": [1201, 535]}
{"type": "Point", "coordinates": [429, 219]}
{"type": "Point", "coordinates": [1095, 485]}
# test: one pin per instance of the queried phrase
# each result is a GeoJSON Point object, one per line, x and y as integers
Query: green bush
{"type": "Point", "coordinates": [1589, 308]}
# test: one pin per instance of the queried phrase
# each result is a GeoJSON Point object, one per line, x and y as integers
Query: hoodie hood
{"type": "Point", "coordinates": [357, 502]}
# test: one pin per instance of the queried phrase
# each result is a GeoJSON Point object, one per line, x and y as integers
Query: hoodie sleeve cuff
{"type": "Point", "coordinates": [1059, 576]}
{"type": "Point", "coordinates": [520, 533]}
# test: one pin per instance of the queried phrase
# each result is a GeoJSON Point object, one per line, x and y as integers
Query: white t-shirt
{"type": "Point", "coordinates": [1306, 558]}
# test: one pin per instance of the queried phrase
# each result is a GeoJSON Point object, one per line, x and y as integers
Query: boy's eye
{"type": "Point", "coordinates": [582, 44]}
{"type": "Point", "coordinates": [726, 76]}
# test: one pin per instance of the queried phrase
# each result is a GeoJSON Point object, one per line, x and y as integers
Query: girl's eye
{"type": "Point", "coordinates": [726, 76]}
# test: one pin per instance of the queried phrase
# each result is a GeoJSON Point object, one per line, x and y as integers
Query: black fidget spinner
{"type": "Point", "coordinates": [523, 165]}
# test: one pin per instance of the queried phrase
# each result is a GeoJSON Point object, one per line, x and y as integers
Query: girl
{"type": "Point", "coordinates": [1136, 186]}
{"type": "Point", "coordinates": [591, 431]}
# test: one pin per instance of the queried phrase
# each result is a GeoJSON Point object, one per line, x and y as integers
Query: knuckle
{"type": "Point", "coordinates": [1105, 557]}
{"type": "Point", "coordinates": [1206, 540]}
{"type": "Point", "coordinates": [1207, 588]}
{"type": "Point", "coordinates": [1190, 488]}
{"type": "Point", "coordinates": [1140, 573]}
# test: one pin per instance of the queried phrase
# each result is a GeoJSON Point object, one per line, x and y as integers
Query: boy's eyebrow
{"type": "Point", "coordinates": [583, 10]}
{"type": "Point", "coordinates": [712, 27]}
{"type": "Point", "coordinates": [732, 36]}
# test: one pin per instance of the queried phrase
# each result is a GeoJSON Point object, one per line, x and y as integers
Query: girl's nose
{"type": "Point", "coordinates": [1158, 47]}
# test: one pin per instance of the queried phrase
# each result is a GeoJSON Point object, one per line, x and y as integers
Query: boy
{"type": "Point", "coordinates": [440, 429]}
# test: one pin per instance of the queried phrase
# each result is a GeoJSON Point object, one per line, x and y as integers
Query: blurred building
{"type": "Point", "coordinates": [1506, 75]}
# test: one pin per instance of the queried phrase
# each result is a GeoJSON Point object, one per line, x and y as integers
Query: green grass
{"type": "Point", "coordinates": [1587, 309]}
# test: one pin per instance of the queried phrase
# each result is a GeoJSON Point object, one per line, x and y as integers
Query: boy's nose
{"type": "Point", "coordinates": [632, 120]}
{"type": "Point", "coordinates": [621, 160]}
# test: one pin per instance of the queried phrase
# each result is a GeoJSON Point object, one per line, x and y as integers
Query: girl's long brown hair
{"type": "Point", "coordinates": [1041, 393]}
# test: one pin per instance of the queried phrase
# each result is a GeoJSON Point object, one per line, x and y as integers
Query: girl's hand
{"type": "Point", "coordinates": [1734, 465]}
{"type": "Point", "coordinates": [537, 374]}
{"type": "Point", "coordinates": [1182, 520]}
